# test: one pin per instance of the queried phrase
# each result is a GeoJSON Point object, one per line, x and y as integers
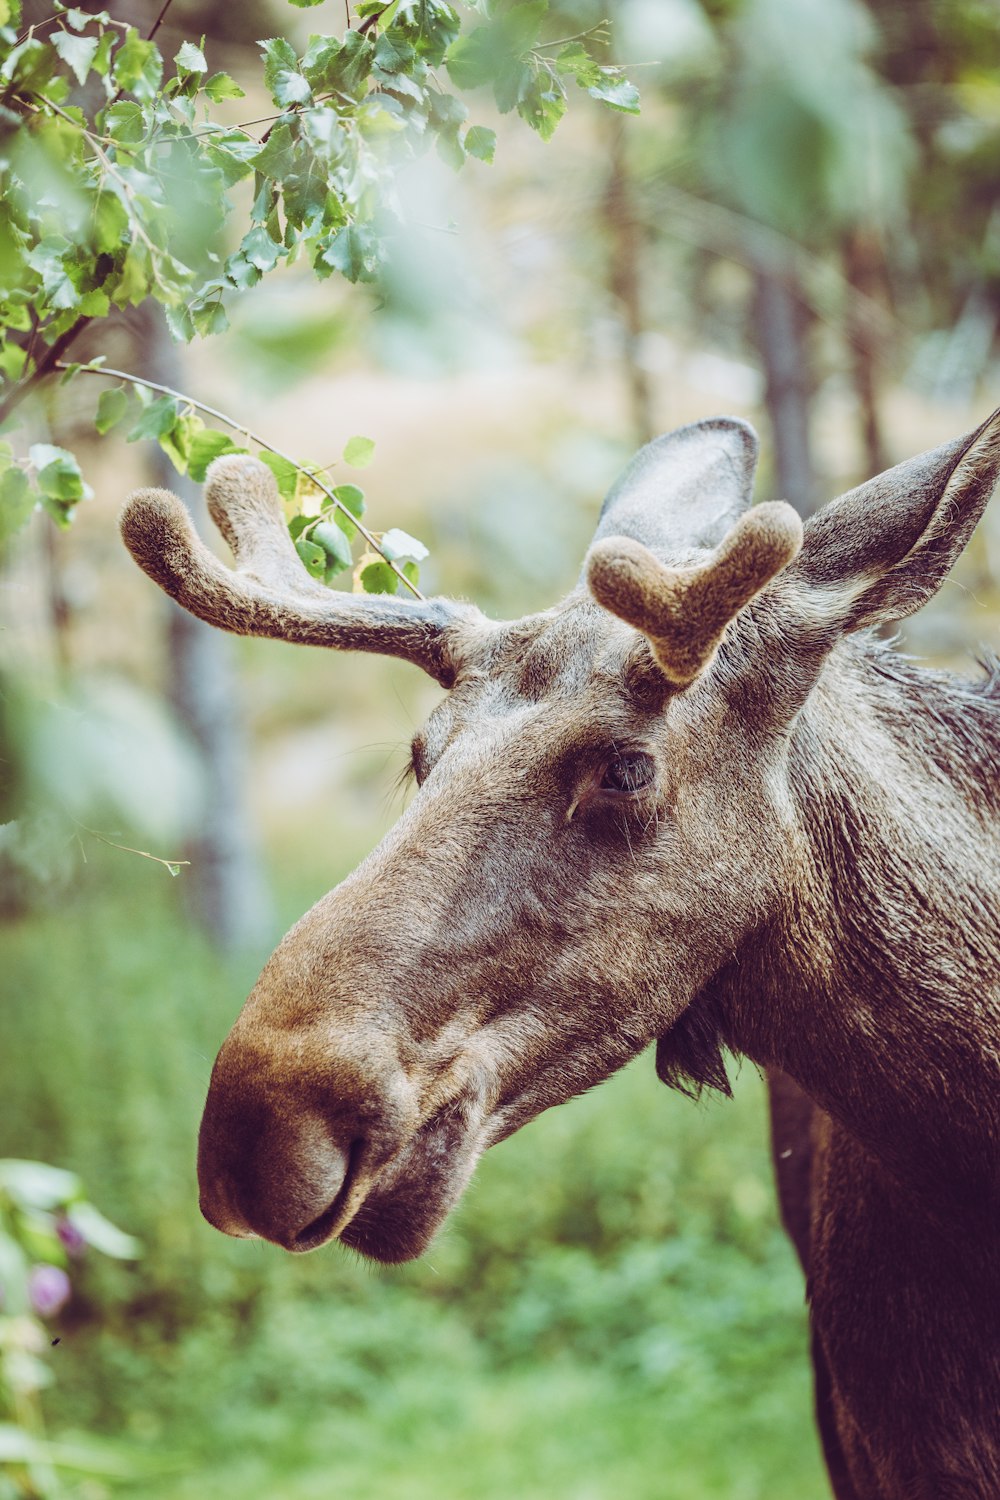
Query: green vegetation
{"type": "Point", "coordinates": [612, 1310]}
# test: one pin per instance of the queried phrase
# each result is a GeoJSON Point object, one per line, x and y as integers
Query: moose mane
{"type": "Point", "coordinates": [959, 719]}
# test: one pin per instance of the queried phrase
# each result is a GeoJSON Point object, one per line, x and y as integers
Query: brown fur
{"type": "Point", "coordinates": [793, 856]}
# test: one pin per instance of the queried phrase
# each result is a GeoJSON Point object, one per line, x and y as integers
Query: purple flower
{"type": "Point", "coordinates": [49, 1290]}
{"type": "Point", "coordinates": [73, 1239]}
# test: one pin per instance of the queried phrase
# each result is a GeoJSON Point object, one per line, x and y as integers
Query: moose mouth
{"type": "Point", "coordinates": [407, 1199]}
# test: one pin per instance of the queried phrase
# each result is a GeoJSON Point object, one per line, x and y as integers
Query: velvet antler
{"type": "Point", "coordinates": [684, 611]}
{"type": "Point", "coordinates": [270, 593]}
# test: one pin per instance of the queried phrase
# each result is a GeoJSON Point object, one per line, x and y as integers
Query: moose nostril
{"type": "Point", "coordinates": [317, 1231]}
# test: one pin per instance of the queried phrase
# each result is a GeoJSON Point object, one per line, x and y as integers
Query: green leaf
{"type": "Point", "coordinates": [393, 53]}
{"type": "Point", "coordinates": [351, 496]}
{"type": "Point", "coordinates": [110, 409]}
{"type": "Point", "coordinates": [578, 63]}
{"type": "Point", "coordinates": [95, 304]}
{"type": "Point", "coordinates": [334, 544]}
{"type": "Point", "coordinates": [359, 452]}
{"type": "Point", "coordinates": [497, 53]}
{"type": "Point", "coordinates": [125, 122]}
{"type": "Point", "coordinates": [81, 19]}
{"type": "Point", "coordinates": [190, 59]}
{"type": "Point", "coordinates": [286, 474]}
{"type": "Point", "coordinates": [156, 419]}
{"type": "Point", "coordinates": [277, 158]}
{"type": "Point", "coordinates": [430, 25]}
{"type": "Point", "coordinates": [481, 142]}
{"type": "Point", "coordinates": [313, 555]}
{"type": "Point", "coordinates": [58, 473]}
{"type": "Point", "coordinates": [111, 222]}
{"type": "Point", "coordinates": [101, 1233]}
{"type": "Point", "coordinates": [17, 501]}
{"type": "Point", "coordinates": [260, 250]}
{"type": "Point", "coordinates": [542, 104]}
{"type": "Point", "coordinates": [282, 73]}
{"type": "Point", "coordinates": [209, 318]}
{"type": "Point", "coordinates": [398, 544]}
{"type": "Point", "coordinates": [220, 86]}
{"type": "Point", "coordinates": [232, 152]}
{"type": "Point", "coordinates": [29, 66]}
{"type": "Point", "coordinates": [305, 4]}
{"type": "Point", "coordinates": [48, 258]}
{"type": "Point", "coordinates": [615, 90]}
{"type": "Point", "coordinates": [342, 67]}
{"type": "Point", "coordinates": [354, 251]}
{"type": "Point", "coordinates": [76, 51]}
{"type": "Point", "coordinates": [138, 66]}
{"type": "Point", "coordinates": [208, 445]}
{"type": "Point", "coordinates": [177, 443]}
{"type": "Point", "coordinates": [378, 578]}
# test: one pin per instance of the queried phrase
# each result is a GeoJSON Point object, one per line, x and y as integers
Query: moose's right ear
{"type": "Point", "coordinates": [881, 551]}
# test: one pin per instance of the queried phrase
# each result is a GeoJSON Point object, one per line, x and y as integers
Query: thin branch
{"type": "Point", "coordinates": [372, 20]}
{"type": "Point", "coordinates": [599, 31]}
{"type": "Point", "coordinates": [253, 437]}
{"type": "Point", "coordinates": [49, 362]}
{"type": "Point", "coordinates": [173, 865]}
{"type": "Point", "coordinates": [157, 23]}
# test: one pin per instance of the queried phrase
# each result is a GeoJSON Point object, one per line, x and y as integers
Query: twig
{"type": "Point", "coordinates": [253, 437]}
{"type": "Point", "coordinates": [49, 362]}
{"type": "Point", "coordinates": [173, 865]}
{"type": "Point", "coordinates": [156, 24]}
{"type": "Point", "coordinates": [372, 20]}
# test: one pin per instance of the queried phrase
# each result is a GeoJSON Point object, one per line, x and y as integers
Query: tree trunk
{"type": "Point", "coordinates": [861, 268]}
{"type": "Point", "coordinates": [226, 883]}
{"type": "Point", "coordinates": [779, 327]}
{"type": "Point", "coordinates": [625, 275]}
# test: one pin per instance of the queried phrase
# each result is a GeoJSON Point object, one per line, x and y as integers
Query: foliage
{"type": "Point", "coordinates": [120, 168]}
{"type": "Point", "coordinates": [47, 1226]}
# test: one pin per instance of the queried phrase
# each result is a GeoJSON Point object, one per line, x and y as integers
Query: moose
{"type": "Point", "coordinates": [701, 802]}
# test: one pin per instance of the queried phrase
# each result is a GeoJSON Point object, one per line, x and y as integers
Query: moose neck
{"type": "Point", "coordinates": [879, 992]}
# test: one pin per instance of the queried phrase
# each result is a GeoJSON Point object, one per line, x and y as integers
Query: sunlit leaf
{"type": "Point", "coordinates": [481, 142]}
{"type": "Point", "coordinates": [334, 544]}
{"type": "Point", "coordinates": [111, 407]}
{"type": "Point", "coordinates": [359, 452]}
{"type": "Point", "coordinates": [57, 472]}
{"type": "Point", "coordinates": [77, 52]}
{"type": "Point", "coordinates": [398, 544]}
{"type": "Point", "coordinates": [206, 446]}
{"type": "Point", "coordinates": [220, 86]}
{"type": "Point", "coordinates": [191, 59]}
{"type": "Point", "coordinates": [378, 578]}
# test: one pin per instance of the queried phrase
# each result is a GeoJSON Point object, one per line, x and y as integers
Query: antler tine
{"type": "Point", "coordinates": [684, 611]}
{"type": "Point", "coordinates": [243, 501]}
{"type": "Point", "coordinates": [271, 594]}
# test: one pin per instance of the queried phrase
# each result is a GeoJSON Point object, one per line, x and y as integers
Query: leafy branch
{"type": "Point", "coordinates": [103, 207]}
{"type": "Point", "coordinates": [191, 451]}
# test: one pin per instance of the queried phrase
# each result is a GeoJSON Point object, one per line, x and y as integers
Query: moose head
{"type": "Point", "coordinates": [608, 815]}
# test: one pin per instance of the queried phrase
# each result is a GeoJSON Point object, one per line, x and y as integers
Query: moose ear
{"type": "Point", "coordinates": [684, 492]}
{"type": "Point", "coordinates": [881, 551]}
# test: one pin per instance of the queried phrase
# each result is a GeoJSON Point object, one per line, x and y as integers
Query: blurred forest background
{"type": "Point", "coordinates": [802, 228]}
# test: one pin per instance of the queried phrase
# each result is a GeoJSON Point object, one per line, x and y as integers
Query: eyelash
{"type": "Point", "coordinates": [627, 773]}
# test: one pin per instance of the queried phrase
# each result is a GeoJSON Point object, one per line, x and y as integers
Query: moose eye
{"type": "Point", "coordinates": [627, 773]}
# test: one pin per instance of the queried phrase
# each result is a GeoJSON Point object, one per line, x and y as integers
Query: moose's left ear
{"type": "Point", "coordinates": [683, 492]}
{"type": "Point", "coordinates": [879, 552]}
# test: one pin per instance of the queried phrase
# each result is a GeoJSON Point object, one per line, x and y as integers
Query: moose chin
{"type": "Point", "coordinates": [699, 803]}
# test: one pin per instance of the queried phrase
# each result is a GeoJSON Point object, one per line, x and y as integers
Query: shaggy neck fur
{"type": "Point", "coordinates": [860, 990]}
